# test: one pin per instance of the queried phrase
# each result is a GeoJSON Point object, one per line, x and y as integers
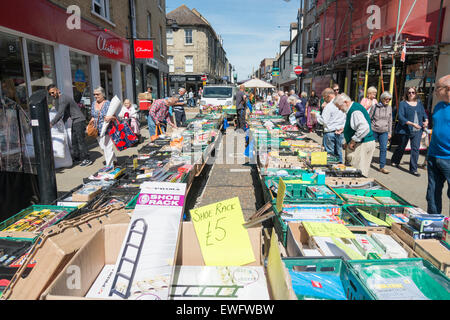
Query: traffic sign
{"type": "Point", "coordinates": [298, 70]}
{"type": "Point", "coordinates": [204, 77]}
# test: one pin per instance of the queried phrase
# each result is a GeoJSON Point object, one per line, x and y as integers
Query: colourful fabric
{"type": "Point", "coordinates": [122, 135]}
{"type": "Point", "coordinates": [159, 111]}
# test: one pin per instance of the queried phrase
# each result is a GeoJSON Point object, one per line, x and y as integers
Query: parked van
{"type": "Point", "coordinates": [218, 95]}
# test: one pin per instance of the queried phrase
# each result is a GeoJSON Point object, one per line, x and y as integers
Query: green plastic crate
{"type": "Point", "coordinates": [291, 172]}
{"type": "Point", "coordinates": [434, 284]}
{"type": "Point", "coordinates": [26, 211]}
{"type": "Point", "coordinates": [353, 287]}
{"type": "Point", "coordinates": [281, 227]}
{"type": "Point", "coordinates": [379, 211]}
{"type": "Point", "coordinates": [372, 193]}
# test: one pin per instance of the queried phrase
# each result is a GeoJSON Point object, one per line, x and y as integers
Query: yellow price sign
{"type": "Point", "coordinates": [223, 239]}
{"type": "Point", "coordinates": [319, 229]}
{"type": "Point", "coordinates": [281, 194]}
{"type": "Point", "coordinates": [319, 158]}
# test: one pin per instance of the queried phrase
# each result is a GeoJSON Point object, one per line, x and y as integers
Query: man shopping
{"type": "Point", "coordinates": [68, 108]}
{"type": "Point", "coordinates": [178, 108]}
{"type": "Point", "coordinates": [241, 102]}
{"type": "Point", "coordinates": [359, 141]}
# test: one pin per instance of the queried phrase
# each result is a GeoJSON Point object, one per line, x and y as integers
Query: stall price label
{"type": "Point", "coordinates": [319, 158]}
{"type": "Point", "coordinates": [281, 194]}
{"type": "Point", "coordinates": [222, 237]}
{"type": "Point", "coordinates": [319, 229]}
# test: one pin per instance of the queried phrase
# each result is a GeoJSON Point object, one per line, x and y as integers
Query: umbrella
{"type": "Point", "coordinates": [257, 83]}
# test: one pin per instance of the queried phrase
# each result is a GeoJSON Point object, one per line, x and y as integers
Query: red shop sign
{"type": "Point", "coordinates": [143, 49]}
{"type": "Point", "coordinates": [110, 47]}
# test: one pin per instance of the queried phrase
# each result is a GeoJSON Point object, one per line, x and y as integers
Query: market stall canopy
{"type": "Point", "coordinates": [256, 83]}
{"type": "Point", "coordinates": [41, 82]}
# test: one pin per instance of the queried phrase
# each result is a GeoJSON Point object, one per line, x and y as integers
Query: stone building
{"type": "Point", "coordinates": [194, 50]}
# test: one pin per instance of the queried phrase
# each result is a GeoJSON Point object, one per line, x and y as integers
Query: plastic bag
{"type": "Point", "coordinates": [292, 119]}
{"type": "Point", "coordinates": [310, 285]}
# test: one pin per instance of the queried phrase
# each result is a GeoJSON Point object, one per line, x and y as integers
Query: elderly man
{"type": "Point", "coordinates": [292, 94]}
{"type": "Point", "coordinates": [359, 141]}
{"type": "Point", "coordinates": [284, 109]}
{"type": "Point", "coordinates": [333, 121]}
{"type": "Point", "coordinates": [439, 150]}
{"type": "Point", "coordinates": [178, 108]}
{"type": "Point", "coordinates": [158, 112]}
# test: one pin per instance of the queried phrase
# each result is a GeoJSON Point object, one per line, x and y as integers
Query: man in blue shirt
{"type": "Point", "coordinates": [439, 150]}
{"type": "Point", "coordinates": [178, 108]}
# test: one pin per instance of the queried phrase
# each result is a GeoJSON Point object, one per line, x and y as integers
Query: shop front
{"type": "Point", "coordinates": [188, 82]}
{"type": "Point", "coordinates": [154, 74]}
{"type": "Point", "coordinates": [34, 55]}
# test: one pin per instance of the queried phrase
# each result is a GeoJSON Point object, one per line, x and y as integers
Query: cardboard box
{"type": "Point", "coordinates": [298, 239]}
{"type": "Point", "coordinates": [104, 247]}
{"type": "Point", "coordinates": [433, 251]}
{"type": "Point", "coordinates": [56, 247]}
{"type": "Point", "coordinates": [86, 193]}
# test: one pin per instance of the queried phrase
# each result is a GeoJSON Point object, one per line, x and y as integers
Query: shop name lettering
{"type": "Point", "coordinates": [161, 200]}
{"type": "Point", "coordinates": [103, 45]}
{"type": "Point", "coordinates": [139, 49]}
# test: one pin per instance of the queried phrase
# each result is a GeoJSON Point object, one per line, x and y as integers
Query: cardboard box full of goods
{"type": "Point", "coordinates": [435, 252]}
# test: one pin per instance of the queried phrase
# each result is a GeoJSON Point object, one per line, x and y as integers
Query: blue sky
{"type": "Point", "coordinates": [249, 28]}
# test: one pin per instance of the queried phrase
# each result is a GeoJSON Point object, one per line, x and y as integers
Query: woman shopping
{"type": "Point", "coordinates": [370, 101]}
{"type": "Point", "coordinates": [311, 106]}
{"type": "Point", "coordinates": [99, 109]}
{"type": "Point", "coordinates": [381, 121]}
{"type": "Point", "coordinates": [412, 119]}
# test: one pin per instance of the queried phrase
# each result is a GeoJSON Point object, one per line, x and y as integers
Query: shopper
{"type": "Point", "coordinates": [129, 113]}
{"type": "Point", "coordinates": [381, 119]}
{"type": "Point", "coordinates": [191, 98]}
{"type": "Point", "coordinates": [68, 108]}
{"type": "Point", "coordinates": [149, 97]}
{"type": "Point", "coordinates": [179, 108]}
{"type": "Point", "coordinates": [333, 121]}
{"type": "Point", "coordinates": [304, 98]}
{"type": "Point", "coordinates": [284, 109]}
{"type": "Point", "coordinates": [359, 142]}
{"type": "Point", "coordinates": [370, 101]}
{"type": "Point", "coordinates": [312, 105]}
{"type": "Point", "coordinates": [298, 109]}
{"type": "Point", "coordinates": [292, 94]}
{"type": "Point", "coordinates": [99, 109]}
{"type": "Point", "coordinates": [411, 121]}
{"type": "Point", "coordinates": [159, 111]}
{"type": "Point", "coordinates": [336, 89]}
{"type": "Point", "coordinates": [241, 103]}
{"type": "Point", "coordinates": [439, 151]}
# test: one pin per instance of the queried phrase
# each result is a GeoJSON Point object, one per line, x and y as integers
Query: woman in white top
{"type": "Point", "coordinates": [129, 113]}
{"type": "Point", "coordinates": [371, 100]}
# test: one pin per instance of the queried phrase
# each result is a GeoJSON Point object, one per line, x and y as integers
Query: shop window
{"type": "Point", "coordinates": [12, 78]}
{"type": "Point", "coordinates": [81, 76]}
{"type": "Point", "coordinates": [189, 63]}
{"type": "Point", "coordinates": [42, 65]}
{"type": "Point", "coordinates": [188, 36]}
{"type": "Point", "coordinates": [170, 62]}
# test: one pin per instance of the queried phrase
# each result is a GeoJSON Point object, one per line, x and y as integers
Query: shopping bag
{"type": "Point", "coordinates": [122, 135]}
{"type": "Point", "coordinates": [158, 133]}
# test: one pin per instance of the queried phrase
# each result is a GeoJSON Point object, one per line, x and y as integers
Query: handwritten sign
{"type": "Point", "coordinates": [318, 229]}
{"type": "Point", "coordinates": [319, 158]}
{"type": "Point", "coordinates": [223, 239]}
{"type": "Point", "coordinates": [281, 194]}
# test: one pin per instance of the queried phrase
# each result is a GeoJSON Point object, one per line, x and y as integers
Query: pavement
{"type": "Point", "coordinates": [230, 176]}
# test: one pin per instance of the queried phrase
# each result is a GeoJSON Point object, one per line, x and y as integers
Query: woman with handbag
{"type": "Point", "coordinates": [99, 109]}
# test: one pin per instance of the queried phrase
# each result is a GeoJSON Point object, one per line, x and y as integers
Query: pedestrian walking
{"type": "Point", "coordinates": [381, 119]}
{"type": "Point", "coordinates": [284, 109]}
{"type": "Point", "coordinates": [333, 121]}
{"type": "Point", "coordinates": [99, 109]}
{"type": "Point", "coordinates": [241, 103]}
{"type": "Point", "coordinates": [412, 119]}
{"type": "Point", "coordinates": [67, 108]}
{"type": "Point", "coordinates": [179, 108]}
{"type": "Point", "coordinates": [312, 105]}
{"type": "Point", "coordinates": [438, 165]}
{"type": "Point", "coordinates": [359, 141]}
{"type": "Point", "coordinates": [191, 98]}
{"type": "Point", "coordinates": [370, 101]}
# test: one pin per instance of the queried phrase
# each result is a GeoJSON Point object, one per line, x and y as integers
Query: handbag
{"type": "Point", "coordinates": [122, 135]}
{"type": "Point", "coordinates": [156, 136]}
{"type": "Point", "coordinates": [91, 129]}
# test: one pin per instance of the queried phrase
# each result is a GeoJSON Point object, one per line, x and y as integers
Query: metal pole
{"type": "Point", "coordinates": [300, 42]}
{"type": "Point", "coordinates": [391, 84]}
{"type": "Point", "coordinates": [43, 147]}
{"type": "Point", "coordinates": [367, 66]}
{"type": "Point", "coordinates": [133, 60]}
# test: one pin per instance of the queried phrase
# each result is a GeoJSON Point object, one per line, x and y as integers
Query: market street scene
{"type": "Point", "coordinates": [236, 153]}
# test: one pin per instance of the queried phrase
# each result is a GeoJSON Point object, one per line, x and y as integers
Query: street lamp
{"type": "Point", "coordinates": [173, 24]}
